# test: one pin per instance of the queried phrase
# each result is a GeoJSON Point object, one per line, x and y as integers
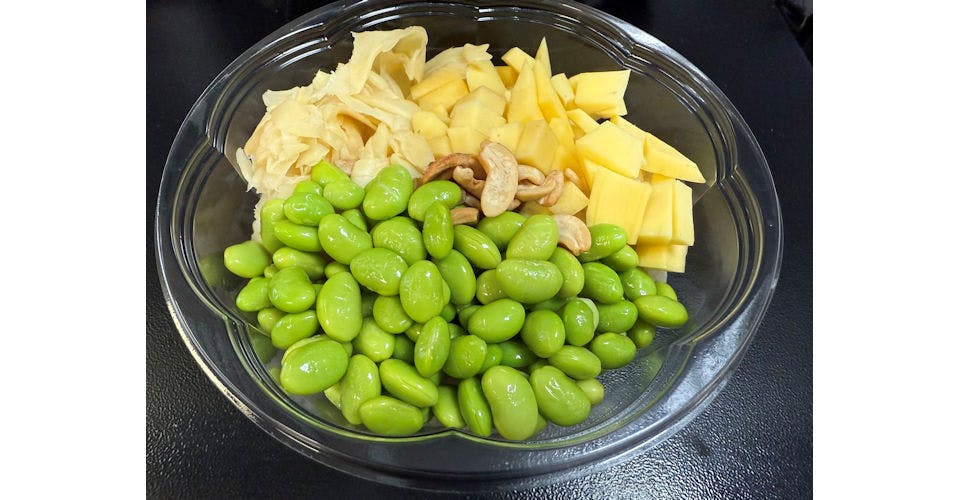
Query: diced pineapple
{"type": "Point", "coordinates": [620, 109]}
{"type": "Point", "coordinates": [440, 146]}
{"type": "Point", "coordinates": [600, 90]}
{"type": "Point", "coordinates": [613, 148]}
{"type": "Point", "coordinates": [567, 154]}
{"type": "Point", "coordinates": [445, 96]}
{"type": "Point", "coordinates": [465, 139]}
{"type": "Point", "coordinates": [440, 111]}
{"type": "Point", "coordinates": [672, 258]}
{"type": "Point", "coordinates": [483, 74]}
{"type": "Point", "coordinates": [537, 145]}
{"type": "Point", "coordinates": [516, 58]}
{"type": "Point", "coordinates": [657, 225]}
{"type": "Point", "coordinates": [571, 200]}
{"type": "Point", "coordinates": [531, 207]}
{"type": "Point", "coordinates": [682, 214]}
{"type": "Point", "coordinates": [507, 74]}
{"type": "Point", "coordinates": [590, 171]}
{"type": "Point", "coordinates": [490, 100]}
{"type": "Point", "coordinates": [543, 55]}
{"type": "Point", "coordinates": [582, 120]}
{"type": "Point", "coordinates": [661, 157]}
{"type": "Point", "coordinates": [550, 104]}
{"type": "Point", "coordinates": [564, 90]}
{"type": "Point", "coordinates": [523, 106]}
{"type": "Point", "coordinates": [439, 78]}
{"type": "Point", "coordinates": [474, 114]}
{"type": "Point", "coordinates": [428, 124]}
{"type": "Point", "coordinates": [618, 200]}
{"type": "Point", "coordinates": [507, 134]}
{"type": "Point", "coordinates": [656, 177]}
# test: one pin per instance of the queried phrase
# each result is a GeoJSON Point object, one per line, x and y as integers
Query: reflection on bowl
{"type": "Point", "coordinates": [731, 271]}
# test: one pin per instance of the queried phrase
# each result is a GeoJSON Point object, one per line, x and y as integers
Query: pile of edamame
{"type": "Point", "coordinates": [396, 314]}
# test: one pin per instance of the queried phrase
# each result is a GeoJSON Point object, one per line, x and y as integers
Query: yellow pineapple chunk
{"type": "Point", "coordinates": [516, 58]}
{"type": "Point", "coordinates": [657, 225]}
{"type": "Point", "coordinates": [618, 200]}
{"type": "Point", "coordinates": [550, 104]}
{"type": "Point", "coordinates": [537, 145]}
{"type": "Point", "coordinates": [507, 134]}
{"type": "Point", "coordinates": [438, 79]}
{"type": "Point", "coordinates": [661, 157]}
{"type": "Point", "coordinates": [465, 139]}
{"type": "Point", "coordinates": [672, 258]}
{"type": "Point", "coordinates": [599, 91]}
{"type": "Point", "coordinates": [474, 114]}
{"type": "Point", "coordinates": [428, 124]}
{"type": "Point", "coordinates": [483, 74]}
{"type": "Point", "coordinates": [682, 214]}
{"type": "Point", "coordinates": [571, 200]}
{"type": "Point", "coordinates": [613, 148]}
{"type": "Point", "coordinates": [564, 90]}
{"type": "Point", "coordinates": [440, 111]}
{"type": "Point", "coordinates": [523, 106]}
{"type": "Point", "coordinates": [440, 146]}
{"type": "Point", "coordinates": [507, 75]}
{"type": "Point", "coordinates": [582, 120]}
{"type": "Point", "coordinates": [445, 96]}
{"type": "Point", "coordinates": [590, 171]}
{"type": "Point", "coordinates": [493, 102]}
{"type": "Point", "coordinates": [543, 55]}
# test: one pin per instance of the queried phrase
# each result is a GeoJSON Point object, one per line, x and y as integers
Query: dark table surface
{"type": "Point", "coordinates": [753, 441]}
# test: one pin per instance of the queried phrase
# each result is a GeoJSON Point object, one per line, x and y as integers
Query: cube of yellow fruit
{"type": "Point", "coordinates": [516, 58]}
{"type": "Point", "coordinates": [438, 79]}
{"type": "Point", "coordinates": [483, 74]}
{"type": "Point", "coordinates": [440, 146]}
{"type": "Point", "coordinates": [661, 157]}
{"type": "Point", "coordinates": [507, 74]}
{"type": "Point", "coordinates": [682, 214]}
{"type": "Point", "coordinates": [600, 90]}
{"type": "Point", "coordinates": [672, 258]}
{"type": "Point", "coordinates": [657, 225]}
{"type": "Point", "coordinates": [531, 207]}
{"type": "Point", "coordinates": [465, 139]}
{"type": "Point", "coordinates": [537, 145]}
{"type": "Point", "coordinates": [507, 134]}
{"type": "Point", "coordinates": [550, 104]}
{"type": "Point", "coordinates": [523, 105]}
{"type": "Point", "coordinates": [590, 169]}
{"type": "Point", "coordinates": [618, 200]}
{"type": "Point", "coordinates": [492, 101]}
{"type": "Point", "coordinates": [428, 124]}
{"type": "Point", "coordinates": [543, 55]}
{"type": "Point", "coordinates": [571, 200]}
{"type": "Point", "coordinates": [582, 120]}
{"type": "Point", "coordinates": [620, 109]}
{"type": "Point", "coordinates": [564, 132]}
{"type": "Point", "coordinates": [445, 96]}
{"type": "Point", "coordinates": [440, 111]}
{"type": "Point", "coordinates": [613, 148]}
{"type": "Point", "coordinates": [564, 90]}
{"type": "Point", "coordinates": [473, 113]}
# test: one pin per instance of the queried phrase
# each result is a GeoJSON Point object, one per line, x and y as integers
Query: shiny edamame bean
{"type": "Point", "coordinates": [294, 327]}
{"type": "Point", "coordinates": [413, 333]}
{"type": "Point", "coordinates": [474, 407]}
{"type": "Point", "coordinates": [535, 240]}
{"type": "Point", "coordinates": [477, 247]}
{"type": "Point", "coordinates": [403, 349]}
{"type": "Point", "coordinates": [493, 357]}
{"type": "Point", "coordinates": [516, 354]}
{"type": "Point", "coordinates": [308, 186]}
{"type": "Point", "coordinates": [334, 268]}
{"type": "Point", "coordinates": [404, 383]}
{"type": "Point", "coordinates": [613, 349]}
{"type": "Point", "coordinates": [458, 274]}
{"type": "Point", "coordinates": [543, 333]}
{"type": "Point", "coordinates": [254, 296]}
{"type": "Point", "coordinates": [641, 333]}
{"type": "Point", "coordinates": [448, 313]}
{"type": "Point", "coordinates": [432, 347]}
{"type": "Point", "coordinates": [577, 362]}
{"type": "Point", "coordinates": [447, 409]}
{"type": "Point", "coordinates": [617, 317]}
{"type": "Point", "coordinates": [391, 417]}
{"type": "Point", "coordinates": [270, 270]}
{"type": "Point", "coordinates": [291, 290]}
{"type": "Point", "coordinates": [373, 342]}
{"type": "Point", "coordinates": [555, 304]}
{"type": "Point", "coordinates": [312, 367]}
{"type": "Point", "coordinates": [401, 235]}
{"type": "Point", "coordinates": [529, 281]}
{"type": "Point", "coordinates": [422, 291]}
{"type": "Point", "coordinates": [513, 404]}
{"type": "Point", "coordinates": [438, 231]}
{"type": "Point", "coordinates": [343, 195]}
{"type": "Point", "coordinates": [297, 236]}
{"type": "Point", "coordinates": [339, 307]}
{"type": "Point", "coordinates": [467, 354]}
{"type": "Point", "coordinates": [355, 217]}
{"type": "Point", "coordinates": [389, 314]}
{"type": "Point", "coordinates": [593, 390]}
{"type": "Point", "coordinates": [488, 287]}
{"type": "Point", "coordinates": [270, 213]}
{"type": "Point", "coordinates": [572, 272]}
{"type": "Point", "coordinates": [559, 398]}
{"type": "Point", "coordinates": [637, 283]}
{"type": "Point", "coordinates": [622, 260]}
{"type": "Point", "coordinates": [605, 240]}
{"type": "Point", "coordinates": [306, 208]}
{"type": "Point", "coordinates": [379, 269]}
{"type": "Point", "coordinates": [464, 314]}
{"type": "Point", "coordinates": [360, 383]}
{"type": "Point", "coordinates": [601, 283]}
{"type": "Point", "coordinates": [341, 240]}
{"type": "Point", "coordinates": [388, 193]}
{"type": "Point", "coordinates": [667, 291]}
{"type": "Point", "coordinates": [267, 318]}
{"type": "Point", "coordinates": [312, 263]}
{"type": "Point", "coordinates": [325, 172]}
{"type": "Point", "coordinates": [502, 228]}
{"type": "Point", "coordinates": [497, 321]}
{"type": "Point", "coordinates": [661, 311]}
{"type": "Point", "coordinates": [445, 192]}
{"type": "Point", "coordinates": [333, 394]}
{"type": "Point", "coordinates": [247, 259]}
{"type": "Point", "coordinates": [578, 322]}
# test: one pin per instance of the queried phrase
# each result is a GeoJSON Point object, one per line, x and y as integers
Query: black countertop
{"type": "Point", "coordinates": [753, 441]}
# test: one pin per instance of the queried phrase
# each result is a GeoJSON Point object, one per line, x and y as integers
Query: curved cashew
{"type": "Point", "coordinates": [573, 233]}
{"type": "Point", "coordinates": [557, 181]}
{"type": "Point", "coordinates": [501, 185]}
{"type": "Point", "coordinates": [470, 200]}
{"type": "Point", "coordinates": [514, 204]}
{"type": "Point", "coordinates": [553, 182]}
{"type": "Point", "coordinates": [465, 215]}
{"type": "Point", "coordinates": [439, 168]}
{"type": "Point", "coordinates": [464, 177]}
{"type": "Point", "coordinates": [572, 176]}
{"type": "Point", "coordinates": [528, 173]}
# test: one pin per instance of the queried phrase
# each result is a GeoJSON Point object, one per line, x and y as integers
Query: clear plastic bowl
{"type": "Point", "coordinates": [732, 269]}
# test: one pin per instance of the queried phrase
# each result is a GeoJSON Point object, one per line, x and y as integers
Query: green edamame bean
{"type": "Point", "coordinates": [464, 314]}
{"type": "Point", "coordinates": [554, 304]}
{"type": "Point", "coordinates": [308, 186]}
{"type": "Point", "coordinates": [539, 363]}
{"type": "Point", "coordinates": [413, 333]}
{"type": "Point", "coordinates": [297, 236]}
{"type": "Point", "coordinates": [493, 357]}
{"type": "Point", "coordinates": [306, 208]}
{"type": "Point", "coordinates": [388, 416]}
{"type": "Point", "coordinates": [389, 314]}
{"type": "Point", "coordinates": [312, 367]}
{"type": "Point", "coordinates": [477, 247]}
{"type": "Point", "coordinates": [291, 290]}
{"type": "Point", "coordinates": [578, 322]}
{"type": "Point", "coordinates": [347, 346]}
{"type": "Point", "coordinates": [254, 296]}
{"type": "Point", "coordinates": [617, 317]}
{"type": "Point", "coordinates": [667, 291]}
{"type": "Point", "coordinates": [387, 194]}
{"type": "Point", "coordinates": [432, 347]}
{"type": "Point", "coordinates": [367, 300]}
{"type": "Point", "coordinates": [334, 268]}
{"type": "Point", "coordinates": [403, 349]}
{"type": "Point", "coordinates": [473, 407]}
{"type": "Point", "coordinates": [641, 333]}
{"type": "Point", "coordinates": [577, 362]}
{"type": "Point", "coordinates": [267, 318]}
{"type": "Point", "coordinates": [535, 240]}
{"type": "Point", "coordinates": [341, 240]}
{"type": "Point", "coordinates": [247, 259]}
{"type": "Point", "coordinates": [637, 283]}
{"type": "Point", "coordinates": [661, 311]}
{"type": "Point", "coordinates": [401, 235]}
{"type": "Point", "coordinates": [438, 230]}
{"type": "Point", "coordinates": [421, 291]}
{"type": "Point", "coordinates": [516, 354]}
{"type": "Point", "coordinates": [605, 240]}
{"type": "Point", "coordinates": [262, 347]}
{"type": "Point", "coordinates": [270, 270]}
{"type": "Point", "coordinates": [467, 354]}
{"type": "Point", "coordinates": [312, 263]}
{"type": "Point", "coordinates": [405, 384]}
{"type": "Point", "coordinates": [445, 192]}
{"type": "Point", "coordinates": [447, 409]}
{"type": "Point", "coordinates": [325, 172]}
{"type": "Point", "coordinates": [339, 307]}
{"type": "Point", "coordinates": [355, 217]}
{"type": "Point", "coordinates": [270, 213]}
{"type": "Point", "coordinates": [601, 283]}
{"type": "Point", "coordinates": [449, 312]}
{"type": "Point", "coordinates": [294, 327]}
{"type": "Point", "coordinates": [455, 330]}
{"type": "Point", "coordinates": [359, 384]}
{"type": "Point", "coordinates": [543, 333]}
{"type": "Point", "coordinates": [343, 195]}
{"type": "Point", "coordinates": [502, 228]}
{"type": "Point", "coordinates": [488, 287]}
{"type": "Point", "coordinates": [622, 260]}
{"type": "Point", "coordinates": [458, 274]}
{"type": "Point", "coordinates": [513, 404]}
{"type": "Point", "coordinates": [497, 321]}
{"type": "Point", "coordinates": [559, 398]}
{"type": "Point", "coordinates": [379, 270]}
{"type": "Point", "coordinates": [333, 394]}
{"type": "Point", "coordinates": [529, 281]}
{"type": "Point", "coordinates": [373, 342]}
{"type": "Point", "coordinates": [572, 272]}
{"type": "Point", "coordinates": [541, 424]}
{"type": "Point", "coordinates": [613, 349]}
{"type": "Point", "coordinates": [593, 390]}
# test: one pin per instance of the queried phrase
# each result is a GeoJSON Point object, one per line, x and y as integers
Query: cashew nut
{"type": "Point", "coordinates": [557, 181]}
{"type": "Point", "coordinates": [573, 233]}
{"type": "Point", "coordinates": [528, 173]}
{"type": "Point", "coordinates": [470, 200]}
{"type": "Point", "coordinates": [501, 182]}
{"type": "Point", "coordinates": [439, 168]}
{"type": "Point", "coordinates": [464, 177]}
{"type": "Point", "coordinates": [465, 215]}
{"type": "Point", "coordinates": [551, 184]}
